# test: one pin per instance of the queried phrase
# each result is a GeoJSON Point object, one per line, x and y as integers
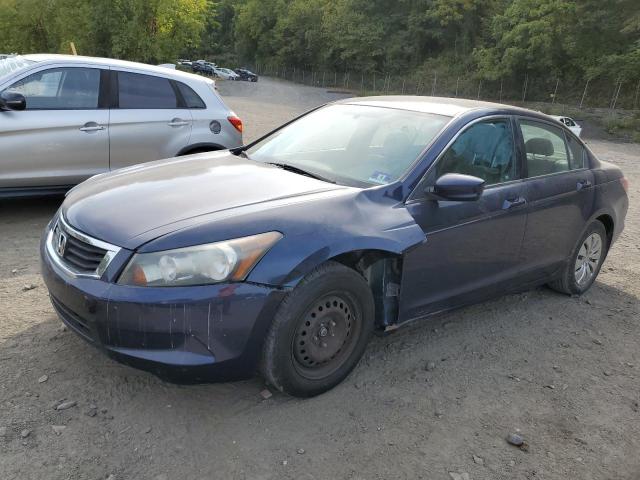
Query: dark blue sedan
{"type": "Point", "coordinates": [284, 256]}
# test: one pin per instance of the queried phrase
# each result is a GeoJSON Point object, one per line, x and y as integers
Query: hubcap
{"type": "Point", "coordinates": [588, 259]}
{"type": "Point", "coordinates": [326, 335]}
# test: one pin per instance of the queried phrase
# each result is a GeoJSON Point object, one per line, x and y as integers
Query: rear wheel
{"type": "Point", "coordinates": [585, 262]}
{"type": "Point", "coordinates": [319, 332]}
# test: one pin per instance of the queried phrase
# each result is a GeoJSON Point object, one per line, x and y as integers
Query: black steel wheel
{"type": "Point", "coordinates": [325, 335]}
{"type": "Point", "coordinates": [319, 332]}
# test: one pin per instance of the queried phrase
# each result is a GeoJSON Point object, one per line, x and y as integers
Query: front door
{"type": "Point", "coordinates": [471, 248]}
{"type": "Point", "coordinates": [148, 123]}
{"type": "Point", "coordinates": [62, 137]}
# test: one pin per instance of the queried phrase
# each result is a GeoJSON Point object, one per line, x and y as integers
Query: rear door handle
{"type": "Point", "coordinates": [582, 184]}
{"type": "Point", "coordinates": [91, 127]}
{"type": "Point", "coordinates": [178, 122]}
{"type": "Point", "coordinates": [513, 202]}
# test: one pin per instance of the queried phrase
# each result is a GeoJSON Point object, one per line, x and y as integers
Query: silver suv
{"type": "Point", "coordinates": [65, 118]}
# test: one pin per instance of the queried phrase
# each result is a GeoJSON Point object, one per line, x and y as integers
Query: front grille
{"type": "Point", "coordinates": [76, 253]}
{"type": "Point", "coordinates": [81, 256]}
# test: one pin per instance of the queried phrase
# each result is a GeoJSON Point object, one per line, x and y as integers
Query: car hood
{"type": "Point", "coordinates": [124, 206]}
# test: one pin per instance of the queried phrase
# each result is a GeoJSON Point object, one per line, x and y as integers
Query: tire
{"type": "Point", "coordinates": [319, 332]}
{"type": "Point", "coordinates": [569, 280]}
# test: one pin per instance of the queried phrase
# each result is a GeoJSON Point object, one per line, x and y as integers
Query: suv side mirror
{"type": "Point", "coordinates": [12, 101]}
{"type": "Point", "coordinates": [456, 187]}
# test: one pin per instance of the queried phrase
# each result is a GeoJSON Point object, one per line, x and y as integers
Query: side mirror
{"type": "Point", "coordinates": [456, 187]}
{"type": "Point", "coordinates": [12, 101]}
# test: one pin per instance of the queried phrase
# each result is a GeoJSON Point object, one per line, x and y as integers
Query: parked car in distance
{"type": "Point", "coordinates": [64, 119]}
{"type": "Point", "coordinates": [201, 66]}
{"type": "Point", "coordinates": [226, 74]}
{"type": "Point", "coordinates": [570, 123]}
{"type": "Point", "coordinates": [284, 255]}
{"type": "Point", "coordinates": [184, 61]}
{"type": "Point", "coordinates": [246, 75]}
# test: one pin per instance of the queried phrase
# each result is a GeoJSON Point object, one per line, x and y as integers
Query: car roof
{"type": "Point", "coordinates": [450, 107]}
{"type": "Point", "coordinates": [111, 62]}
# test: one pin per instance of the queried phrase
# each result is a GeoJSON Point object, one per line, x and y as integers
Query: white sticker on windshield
{"type": "Point", "coordinates": [380, 177]}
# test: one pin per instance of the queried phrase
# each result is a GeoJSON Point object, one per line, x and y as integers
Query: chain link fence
{"type": "Point", "coordinates": [599, 92]}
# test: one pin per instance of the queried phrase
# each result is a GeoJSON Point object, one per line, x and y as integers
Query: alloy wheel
{"type": "Point", "coordinates": [588, 259]}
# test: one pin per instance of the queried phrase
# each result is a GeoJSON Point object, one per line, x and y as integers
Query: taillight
{"type": "Point", "coordinates": [236, 122]}
{"type": "Point", "coordinates": [625, 184]}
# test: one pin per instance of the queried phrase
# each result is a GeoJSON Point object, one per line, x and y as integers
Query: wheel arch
{"type": "Point", "coordinates": [609, 226]}
{"type": "Point", "coordinates": [380, 263]}
{"type": "Point", "coordinates": [200, 148]}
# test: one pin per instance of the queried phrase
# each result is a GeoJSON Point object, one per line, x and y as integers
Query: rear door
{"type": "Point", "coordinates": [560, 193]}
{"type": "Point", "coordinates": [149, 120]}
{"type": "Point", "coordinates": [62, 137]}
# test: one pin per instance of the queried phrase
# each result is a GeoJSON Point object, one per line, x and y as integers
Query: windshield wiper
{"type": "Point", "coordinates": [292, 168]}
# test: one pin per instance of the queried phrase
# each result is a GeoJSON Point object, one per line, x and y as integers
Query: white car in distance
{"type": "Point", "coordinates": [226, 74]}
{"type": "Point", "coordinates": [570, 123]}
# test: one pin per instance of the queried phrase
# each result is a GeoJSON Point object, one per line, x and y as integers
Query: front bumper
{"type": "Point", "coordinates": [182, 334]}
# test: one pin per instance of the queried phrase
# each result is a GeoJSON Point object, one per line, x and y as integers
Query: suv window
{"type": "Point", "coordinates": [60, 89]}
{"type": "Point", "coordinates": [137, 91]}
{"type": "Point", "coordinates": [545, 148]}
{"type": "Point", "coordinates": [191, 98]}
{"type": "Point", "coordinates": [485, 150]}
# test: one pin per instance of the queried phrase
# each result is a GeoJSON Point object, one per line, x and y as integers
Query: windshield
{"type": "Point", "coordinates": [352, 144]}
{"type": "Point", "coordinates": [11, 64]}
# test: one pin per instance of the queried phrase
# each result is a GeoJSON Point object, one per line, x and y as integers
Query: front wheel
{"type": "Point", "coordinates": [585, 261]}
{"type": "Point", "coordinates": [319, 332]}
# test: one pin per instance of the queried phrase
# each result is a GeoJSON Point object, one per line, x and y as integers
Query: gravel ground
{"type": "Point", "coordinates": [434, 400]}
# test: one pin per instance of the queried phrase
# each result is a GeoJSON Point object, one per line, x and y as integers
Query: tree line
{"type": "Point", "coordinates": [572, 40]}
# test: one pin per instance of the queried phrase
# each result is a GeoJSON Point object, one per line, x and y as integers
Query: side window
{"type": "Point", "coordinates": [577, 153]}
{"type": "Point", "coordinates": [545, 148]}
{"type": "Point", "coordinates": [485, 150]}
{"type": "Point", "coordinates": [191, 98]}
{"type": "Point", "coordinates": [137, 91]}
{"type": "Point", "coordinates": [60, 89]}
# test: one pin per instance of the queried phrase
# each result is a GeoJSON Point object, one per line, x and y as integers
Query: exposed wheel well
{"type": "Point", "coordinates": [607, 221]}
{"type": "Point", "coordinates": [383, 272]}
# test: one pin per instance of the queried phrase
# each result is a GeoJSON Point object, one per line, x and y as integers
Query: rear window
{"type": "Point", "coordinates": [191, 98]}
{"type": "Point", "coordinates": [137, 91]}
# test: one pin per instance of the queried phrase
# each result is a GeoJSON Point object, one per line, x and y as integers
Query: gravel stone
{"type": "Point", "coordinates": [266, 394]}
{"type": "Point", "coordinates": [515, 439]}
{"type": "Point", "coordinates": [66, 405]}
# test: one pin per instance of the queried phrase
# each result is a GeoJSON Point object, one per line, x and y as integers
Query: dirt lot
{"type": "Point", "coordinates": [431, 399]}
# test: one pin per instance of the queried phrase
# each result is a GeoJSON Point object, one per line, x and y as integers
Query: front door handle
{"type": "Point", "coordinates": [582, 184]}
{"type": "Point", "coordinates": [178, 122]}
{"type": "Point", "coordinates": [91, 127]}
{"type": "Point", "coordinates": [513, 202]}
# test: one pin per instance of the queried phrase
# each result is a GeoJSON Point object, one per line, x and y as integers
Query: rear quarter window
{"type": "Point", "coordinates": [191, 98]}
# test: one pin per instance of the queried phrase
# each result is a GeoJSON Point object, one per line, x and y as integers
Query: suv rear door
{"type": "Point", "coordinates": [148, 120]}
{"type": "Point", "coordinates": [62, 137]}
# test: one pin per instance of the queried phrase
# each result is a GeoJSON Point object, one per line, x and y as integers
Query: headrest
{"type": "Point", "coordinates": [539, 146]}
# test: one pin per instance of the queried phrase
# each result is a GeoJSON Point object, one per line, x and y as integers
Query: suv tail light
{"type": "Point", "coordinates": [236, 122]}
{"type": "Point", "coordinates": [625, 184]}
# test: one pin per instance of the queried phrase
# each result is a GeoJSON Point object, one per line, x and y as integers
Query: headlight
{"type": "Point", "coordinates": [231, 260]}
